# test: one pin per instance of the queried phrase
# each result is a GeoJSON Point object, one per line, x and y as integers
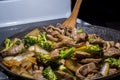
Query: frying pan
{"type": "Point", "coordinates": [21, 30]}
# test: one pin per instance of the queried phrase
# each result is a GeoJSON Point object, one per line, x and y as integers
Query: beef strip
{"type": "Point", "coordinates": [112, 71]}
{"type": "Point", "coordinates": [37, 72]}
{"type": "Point", "coordinates": [112, 52]}
{"type": "Point", "coordinates": [55, 54]}
{"type": "Point", "coordinates": [107, 45]}
{"type": "Point", "coordinates": [93, 76]}
{"type": "Point", "coordinates": [89, 60]}
{"type": "Point", "coordinates": [95, 39]}
{"type": "Point", "coordinates": [117, 45]}
{"type": "Point", "coordinates": [81, 37]}
{"type": "Point", "coordinates": [51, 38]}
{"type": "Point", "coordinates": [84, 70]}
{"type": "Point", "coordinates": [14, 50]}
{"type": "Point", "coordinates": [64, 76]}
{"type": "Point", "coordinates": [79, 54]}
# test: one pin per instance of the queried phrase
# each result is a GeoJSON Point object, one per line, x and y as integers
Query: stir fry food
{"type": "Point", "coordinates": [61, 53]}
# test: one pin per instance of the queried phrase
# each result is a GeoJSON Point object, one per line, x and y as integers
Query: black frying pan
{"type": "Point", "coordinates": [21, 30]}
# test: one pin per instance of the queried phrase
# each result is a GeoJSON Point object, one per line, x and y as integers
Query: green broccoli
{"type": "Point", "coordinates": [49, 74]}
{"type": "Point", "coordinates": [90, 48]}
{"type": "Point", "coordinates": [8, 44]}
{"type": "Point", "coordinates": [40, 40]}
{"type": "Point", "coordinates": [67, 53]}
{"type": "Point", "coordinates": [45, 58]}
{"type": "Point", "coordinates": [113, 62]}
{"type": "Point", "coordinates": [63, 68]}
{"type": "Point", "coordinates": [91, 38]}
{"type": "Point", "coordinates": [80, 31]}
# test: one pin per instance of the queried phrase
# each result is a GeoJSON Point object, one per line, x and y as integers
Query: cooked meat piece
{"type": "Point", "coordinates": [58, 45]}
{"type": "Point", "coordinates": [117, 45]}
{"type": "Point", "coordinates": [89, 60]}
{"type": "Point", "coordinates": [38, 74]}
{"type": "Point", "coordinates": [55, 54]}
{"type": "Point", "coordinates": [64, 76]}
{"type": "Point", "coordinates": [112, 71]}
{"type": "Point", "coordinates": [77, 45]}
{"type": "Point", "coordinates": [62, 62]}
{"type": "Point", "coordinates": [84, 70]}
{"type": "Point", "coordinates": [79, 54]}
{"type": "Point", "coordinates": [50, 37]}
{"type": "Point", "coordinates": [68, 43]}
{"type": "Point", "coordinates": [81, 37]}
{"type": "Point", "coordinates": [52, 30]}
{"type": "Point", "coordinates": [93, 76]}
{"type": "Point", "coordinates": [74, 33]}
{"type": "Point", "coordinates": [65, 42]}
{"type": "Point", "coordinates": [97, 41]}
{"type": "Point", "coordinates": [93, 38]}
{"type": "Point", "coordinates": [108, 44]}
{"type": "Point", "coordinates": [112, 52]}
{"type": "Point", "coordinates": [14, 50]}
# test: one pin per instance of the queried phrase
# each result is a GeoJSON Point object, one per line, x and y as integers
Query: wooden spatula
{"type": "Point", "coordinates": [71, 21]}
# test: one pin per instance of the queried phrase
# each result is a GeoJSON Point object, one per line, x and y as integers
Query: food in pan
{"type": "Point", "coordinates": [61, 53]}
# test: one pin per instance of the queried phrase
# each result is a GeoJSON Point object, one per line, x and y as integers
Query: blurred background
{"type": "Point", "coordinates": [100, 12]}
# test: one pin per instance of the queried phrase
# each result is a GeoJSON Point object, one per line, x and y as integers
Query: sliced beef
{"type": "Point", "coordinates": [108, 44]}
{"type": "Point", "coordinates": [81, 37]}
{"type": "Point", "coordinates": [93, 76]}
{"type": "Point", "coordinates": [77, 45]}
{"type": "Point", "coordinates": [84, 70]}
{"type": "Point", "coordinates": [95, 39]}
{"type": "Point", "coordinates": [37, 73]}
{"type": "Point", "coordinates": [89, 60]}
{"type": "Point", "coordinates": [14, 50]}
{"type": "Point", "coordinates": [117, 45]}
{"type": "Point", "coordinates": [79, 54]}
{"type": "Point", "coordinates": [64, 76]}
{"type": "Point", "coordinates": [55, 54]}
{"type": "Point", "coordinates": [112, 52]}
{"type": "Point", "coordinates": [50, 37]}
{"type": "Point", "coordinates": [112, 71]}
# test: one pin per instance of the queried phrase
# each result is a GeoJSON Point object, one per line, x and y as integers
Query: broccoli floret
{"type": "Point", "coordinates": [80, 31]}
{"type": "Point", "coordinates": [67, 53]}
{"type": "Point", "coordinates": [63, 68]}
{"type": "Point", "coordinates": [40, 40]}
{"type": "Point", "coordinates": [113, 62]}
{"type": "Point", "coordinates": [49, 74]}
{"type": "Point", "coordinates": [8, 44]}
{"type": "Point", "coordinates": [18, 42]}
{"type": "Point", "coordinates": [45, 58]}
{"type": "Point", "coordinates": [90, 48]}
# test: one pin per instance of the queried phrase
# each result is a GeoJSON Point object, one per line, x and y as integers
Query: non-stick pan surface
{"type": "Point", "coordinates": [21, 30]}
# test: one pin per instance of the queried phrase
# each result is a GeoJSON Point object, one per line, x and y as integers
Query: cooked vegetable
{"type": "Point", "coordinates": [34, 32]}
{"type": "Point", "coordinates": [72, 65]}
{"type": "Point", "coordinates": [67, 53]}
{"type": "Point", "coordinates": [80, 31]}
{"type": "Point", "coordinates": [18, 42]}
{"type": "Point", "coordinates": [90, 38]}
{"type": "Point", "coordinates": [63, 68]}
{"type": "Point", "coordinates": [45, 58]}
{"type": "Point", "coordinates": [40, 40]}
{"type": "Point", "coordinates": [49, 74]}
{"type": "Point", "coordinates": [90, 48]}
{"type": "Point", "coordinates": [8, 44]}
{"type": "Point", "coordinates": [113, 62]}
{"type": "Point", "coordinates": [105, 69]}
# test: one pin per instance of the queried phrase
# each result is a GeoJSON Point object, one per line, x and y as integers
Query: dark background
{"type": "Point", "coordinates": [100, 12]}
